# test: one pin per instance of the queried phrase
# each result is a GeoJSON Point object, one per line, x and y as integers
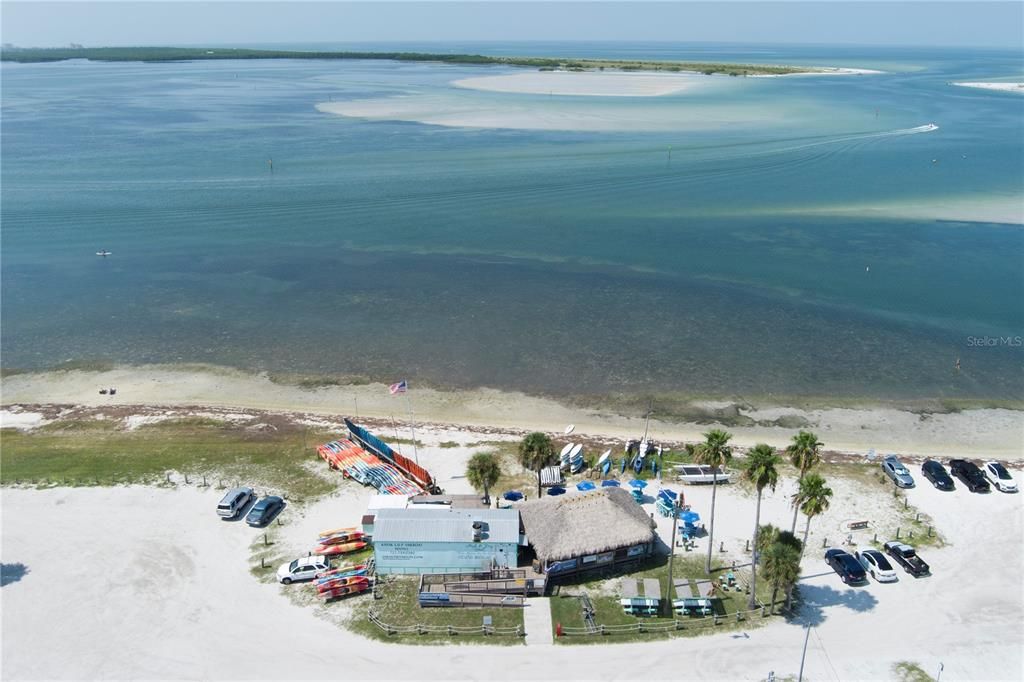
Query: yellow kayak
{"type": "Point", "coordinates": [336, 531]}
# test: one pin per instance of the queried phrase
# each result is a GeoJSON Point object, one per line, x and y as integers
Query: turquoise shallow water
{"type": "Point", "coordinates": [548, 261]}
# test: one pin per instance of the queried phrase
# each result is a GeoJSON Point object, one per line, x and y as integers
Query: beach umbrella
{"type": "Point", "coordinates": [556, 490]}
{"type": "Point", "coordinates": [623, 468]}
{"type": "Point", "coordinates": [585, 485]}
{"type": "Point", "coordinates": [639, 485]}
{"type": "Point", "coordinates": [670, 494]}
{"type": "Point", "coordinates": [513, 495]}
{"type": "Point", "coordinates": [689, 517]}
{"type": "Point", "coordinates": [609, 484]}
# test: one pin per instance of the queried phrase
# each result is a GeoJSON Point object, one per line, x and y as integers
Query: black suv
{"type": "Point", "coordinates": [936, 473]}
{"type": "Point", "coordinates": [970, 474]}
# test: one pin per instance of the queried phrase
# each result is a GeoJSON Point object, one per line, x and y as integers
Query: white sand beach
{"type": "Point", "coordinates": [969, 432]}
{"type": "Point", "coordinates": [586, 83]}
{"type": "Point", "coordinates": [160, 587]}
{"type": "Point", "coordinates": [821, 71]}
{"type": "Point", "coordinates": [1001, 87]}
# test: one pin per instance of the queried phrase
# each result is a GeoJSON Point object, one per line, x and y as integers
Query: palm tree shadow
{"type": "Point", "coordinates": [12, 573]}
{"type": "Point", "coordinates": [814, 599]}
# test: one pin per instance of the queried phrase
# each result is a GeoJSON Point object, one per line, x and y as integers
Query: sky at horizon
{"type": "Point", "coordinates": [143, 22]}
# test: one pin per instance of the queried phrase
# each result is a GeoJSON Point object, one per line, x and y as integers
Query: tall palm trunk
{"type": "Point", "coordinates": [711, 532]}
{"type": "Point", "coordinates": [775, 593]}
{"type": "Point", "coordinates": [538, 482]}
{"type": "Point", "coordinates": [753, 553]}
{"type": "Point", "coordinates": [807, 529]}
{"type": "Point", "coordinates": [796, 508]}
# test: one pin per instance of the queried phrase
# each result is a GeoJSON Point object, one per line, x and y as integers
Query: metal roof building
{"type": "Point", "coordinates": [445, 540]}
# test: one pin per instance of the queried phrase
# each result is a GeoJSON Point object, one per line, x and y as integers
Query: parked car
{"type": "Point", "coordinates": [936, 473]}
{"type": "Point", "coordinates": [234, 502]}
{"type": "Point", "coordinates": [1000, 477]}
{"type": "Point", "coordinates": [875, 563]}
{"type": "Point", "coordinates": [302, 569]}
{"type": "Point", "coordinates": [895, 470]}
{"type": "Point", "coordinates": [968, 472]}
{"type": "Point", "coordinates": [846, 566]}
{"type": "Point", "coordinates": [264, 511]}
{"type": "Point", "coordinates": [906, 556]}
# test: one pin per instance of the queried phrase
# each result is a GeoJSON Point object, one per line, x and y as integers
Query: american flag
{"type": "Point", "coordinates": [401, 387]}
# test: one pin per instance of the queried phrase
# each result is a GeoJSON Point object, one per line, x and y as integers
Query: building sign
{"type": "Point", "coordinates": [440, 555]}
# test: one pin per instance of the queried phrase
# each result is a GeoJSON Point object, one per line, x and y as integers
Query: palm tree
{"type": "Point", "coordinates": [714, 452]}
{"type": "Point", "coordinates": [781, 568]}
{"type": "Point", "coordinates": [761, 469]}
{"type": "Point", "coordinates": [767, 535]}
{"type": "Point", "coordinates": [483, 471]}
{"type": "Point", "coordinates": [812, 499]}
{"type": "Point", "coordinates": [804, 453]}
{"type": "Point", "coordinates": [535, 453]}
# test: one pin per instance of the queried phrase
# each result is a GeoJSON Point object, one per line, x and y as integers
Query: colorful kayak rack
{"type": "Point", "coordinates": [356, 463]}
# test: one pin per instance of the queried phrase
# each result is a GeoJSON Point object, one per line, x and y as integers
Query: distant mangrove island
{"type": "Point", "coordinates": [173, 54]}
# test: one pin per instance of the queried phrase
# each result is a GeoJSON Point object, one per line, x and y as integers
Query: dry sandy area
{"type": "Point", "coordinates": [976, 433]}
{"type": "Point", "coordinates": [589, 83]}
{"type": "Point", "coordinates": [1004, 87]}
{"type": "Point", "coordinates": [143, 583]}
{"type": "Point", "coordinates": [822, 71]}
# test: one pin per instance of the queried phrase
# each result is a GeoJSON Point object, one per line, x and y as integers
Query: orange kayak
{"type": "Point", "coordinates": [340, 538]}
{"type": "Point", "coordinates": [331, 550]}
{"type": "Point", "coordinates": [335, 531]}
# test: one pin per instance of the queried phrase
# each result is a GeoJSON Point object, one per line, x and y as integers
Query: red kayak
{"type": "Point", "coordinates": [341, 538]}
{"type": "Point", "coordinates": [345, 591]}
{"type": "Point", "coordinates": [342, 582]}
{"type": "Point", "coordinates": [331, 550]}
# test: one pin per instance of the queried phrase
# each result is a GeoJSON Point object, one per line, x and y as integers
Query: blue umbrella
{"type": "Point", "coordinates": [585, 485]}
{"type": "Point", "coordinates": [670, 494]}
{"type": "Point", "coordinates": [609, 484]}
{"type": "Point", "coordinates": [622, 470]}
{"type": "Point", "coordinates": [513, 495]}
{"type": "Point", "coordinates": [556, 490]}
{"type": "Point", "coordinates": [689, 516]}
{"type": "Point", "coordinates": [606, 467]}
{"type": "Point", "coordinates": [640, 485]}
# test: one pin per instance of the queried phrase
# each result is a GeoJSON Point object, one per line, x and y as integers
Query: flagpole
{"type": "Point", "coordinates": [412, 425]}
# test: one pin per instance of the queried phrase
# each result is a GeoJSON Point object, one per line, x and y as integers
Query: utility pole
{"type": "Point", "coordinates": [800, 677]}
{"type": "Point", "coordinates": [672, 552]}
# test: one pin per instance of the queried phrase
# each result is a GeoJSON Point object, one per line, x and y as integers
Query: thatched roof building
{"type": "Point", "coordinates": [591, 523]}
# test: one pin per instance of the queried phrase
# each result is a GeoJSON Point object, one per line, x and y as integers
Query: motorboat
{"type": "Point", "coordinates": [700, 473]}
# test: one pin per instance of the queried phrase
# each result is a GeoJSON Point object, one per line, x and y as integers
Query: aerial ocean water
{"type": "Point", "coordinates": [798, 236]}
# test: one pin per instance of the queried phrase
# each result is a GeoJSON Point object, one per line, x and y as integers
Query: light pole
{"type": "Point", "coordinates": [676, 506]}
{"type": "Point", "coordinates": [939, 676]}
{"type": "Point", "coordinates": [803, 655]}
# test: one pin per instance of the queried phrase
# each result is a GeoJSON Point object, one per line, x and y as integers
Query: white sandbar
{"type": "Point", "coordinates": [585, 83]}
{"type": "Point", "coordinates": [1003, 87]}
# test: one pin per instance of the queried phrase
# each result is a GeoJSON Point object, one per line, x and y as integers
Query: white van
{"type": "Point", "coordinates": [234, 502]}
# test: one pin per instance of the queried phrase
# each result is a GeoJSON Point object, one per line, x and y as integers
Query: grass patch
{"type": "Point", "coordinates": [399, 607]}
{"type": "Point", "coordinates": [566, 607]}
{"type": "Point", "coordinates": [97, 452]}
{"type": "Point", "coordinates": [448, 444]}
{"type": "Point", "coordinates": [906, 671]}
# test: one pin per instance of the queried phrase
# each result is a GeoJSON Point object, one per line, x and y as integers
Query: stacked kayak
{"type": "Point", "coordinates": [346, 571]}
{"type": "Point", "coordinates": [345, 590]}
{"type": "Point", "coordinates": [356, 463]}
{"type": "Point", "coordinates": [335, 550]}
{"type": "Point", "coordinates": [341, 538]}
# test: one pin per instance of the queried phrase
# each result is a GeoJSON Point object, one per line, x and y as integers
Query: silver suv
{"type": "Point", "coordinates": [234, 502]}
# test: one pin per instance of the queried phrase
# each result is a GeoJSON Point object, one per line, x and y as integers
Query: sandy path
{"type": "Point", "coordinates": [156, 586]}
{"type": "Point", "coordinates": [974, 433]}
